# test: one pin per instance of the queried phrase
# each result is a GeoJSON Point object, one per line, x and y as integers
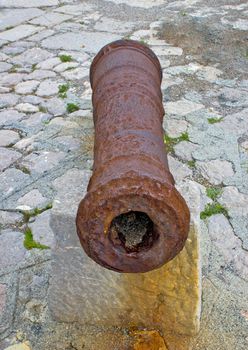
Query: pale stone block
{"type": "Point", "coordinates": [167, 299]}
{"type": "Point", "coordinates": [19, 32]}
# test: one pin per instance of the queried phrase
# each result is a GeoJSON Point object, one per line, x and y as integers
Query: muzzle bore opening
{"type": "Point", "coordinates": [134, 230]}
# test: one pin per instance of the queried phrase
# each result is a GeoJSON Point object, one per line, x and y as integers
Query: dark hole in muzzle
{"type": "Point", "coordinates": [134, 230]}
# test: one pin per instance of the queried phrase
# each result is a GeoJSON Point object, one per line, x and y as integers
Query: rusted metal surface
{"type": "Point", "coordinates": [131, 186]}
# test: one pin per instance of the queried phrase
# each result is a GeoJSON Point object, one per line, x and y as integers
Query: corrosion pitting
{"type": "Point", "coordinates": [132, 218]}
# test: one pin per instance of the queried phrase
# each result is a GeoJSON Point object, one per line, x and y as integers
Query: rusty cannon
{"type": "Point", "coordinates": [132, 218]}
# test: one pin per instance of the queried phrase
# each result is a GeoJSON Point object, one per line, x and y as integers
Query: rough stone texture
{"type": "Point", "coordinates": [182, 107]}
{"type": "Point", "coordinates": [91, 41]}
{"type": "Point", "coordinates": [41, 35]}
{"type": "Point", "coordinates": [76, 74]}
{"type": "Point", "coordinates": [220, 229]}
{"type": "Point", "coordinates": [184, 150]}
{"type": "Point", "coordinates": [19, 32]}
{"type": "Point", "coordinates": [50, 19]}
{"type": "Point", "coordinates": [32, 56]}
{"type": "Point", "coordinates": [55, 106]}
{"type": "Point", "coordinates": [202, 48]}
{"type": "Point", "coordinates": [2, 297]}
{"type": "Point", "coordinates": [11, 79]}
{"type": "Point", "coordinates": [14, 17]}
{"type": "Point", "coordinates": [26, 87]}
{"type": "Point", "coordinates": [65, 66]}
{"type": "Point", "coordinates": [7, 157]}
{"type": "Point", "coordinates": [49, 63]}
{"type": "Point", "coordinates": [234, 201]}
{"type": "Point", "coordinates": [47, 88]}
{"type": "Point", "coordinates": [4, 66]}
{"type": "Point", "coordinates": [27, 108]}
{"type": "Point", "coordinates": [12, 249]}
{"type": "Point", "coordinates": [215, 171]}
{"type": "Point", "coordinates": [8, 100]}
{"type": "Point", "coordinates": [34, 100]}
{"type": "Point", "coordinates": [179, 170]}
{"type": "Point", "coordinates": [42, 231]}
{"type": "Point", "coordinates": [21, 346]}
{"type": "Point", "coordinates": [9, 218]}
{"type": "Point", "coordinates": [40, 74]}
{"type": "Point", "coordinates": [8, 137]}
{"type": "Point", "coordinates": [8, 299]}
{"type": "Point", "coordinates": [140, 3]}
{"type": "Point", "coordinates": [32, 199]}
{"type": "Point", "coordinates": [10, 180]}
{"type": "Point", "coordinates": [37, 120]}
{"type": "Point", "coordinates": [42, 162]}
{"type": "Point", "coordinates": [27, 3]}
{"type": "Point", "coordinates": [175, 128]}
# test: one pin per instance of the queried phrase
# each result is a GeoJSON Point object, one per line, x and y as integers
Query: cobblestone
{"type": "Point", "coordinates": [46, 153]}
{"type": "Point", "coordinates": [26, 87]}
{"type": "Point", "coordinates": [47, 88]}
{"type": "Point", "coordinates": [26, 108]}
{"type": "Point", "coordinates": [19, 32]}
{"type": "Point", "coordinates": [8, 137]}
{"type": "Point", "coordinates": [7, 157]}
{"type": "Point", "coordinates": [12, 249]}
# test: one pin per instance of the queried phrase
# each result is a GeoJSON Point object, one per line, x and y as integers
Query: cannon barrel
{"type": "Point", "coordinates": [132, 218]}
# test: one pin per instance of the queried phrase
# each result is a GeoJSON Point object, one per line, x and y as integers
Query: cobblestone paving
{"type": "Point", "coordinates": [47, 135]}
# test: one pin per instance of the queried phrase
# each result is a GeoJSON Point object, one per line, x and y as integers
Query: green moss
{"type": "Point", "coordinates": [213, 192]}
{"type": "Point", "coordinates": [23, 169]}
{"type": "Point", "coordinates": [215, 120]}
{"type": "Point", "coordinates": [142, 41]}
{"type": "Point", "coordinates": [72, 107]}
{"type": "Point", "coordinates": [36, 211]}
{"type": "Point", "coordinates": [62, 90]}
{"type": "Point", "coordinates": [127, 37]}
{"type": "Point", "coordinates": [30, 243]}
{"type": "Point", "coordinates": [33, 67]}
{"type": "Point", "coordinates": [184, 137]}
{"type": "Point", "coordinates": [172, 141]}
{"type": "Point", "coordinates": [42, 109]}
{"type": "Point", "coordinates": [212, 209]}
{"type": "Point", "coordinates": [14, 68]}
{"type": "Point", "coordinates": [191, 163]}
{"type": "Point", "coordinates": [65, 58]}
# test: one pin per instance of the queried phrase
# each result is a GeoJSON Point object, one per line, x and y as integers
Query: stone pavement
{"type": "Point", "coordinates": [46, 141]}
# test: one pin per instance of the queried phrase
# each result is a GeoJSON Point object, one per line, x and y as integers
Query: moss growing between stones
{"type": "Point", "coordinates": [142, 41]}
{"type": "Point", "coordinates": [62, 90]}
{"type": "Point", "coordinates": [172, 141]}
{"type": "Point", "coordinates": [191, 163]}
{"type": "Point", "coordinates": [215, 120]}
{"type": "Point", "coordinates": [72, 107]}
{"type": "Point", "coordinates": [30, 243]}
{"type": "Point", "coordinates": [14, 68]}
{"type": "Point", "coordinates": [42, 109]}
{"type": "Point", "coordinates": [65, 58]}
{"type": "Point", "coordinates": [212, 209]}
{"type": "Point", "coordinates": [24, 169]}
{"type": "Point", "coordinates": [36, 211]}
{"type": "Point", "coordinates": [213, 192]}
